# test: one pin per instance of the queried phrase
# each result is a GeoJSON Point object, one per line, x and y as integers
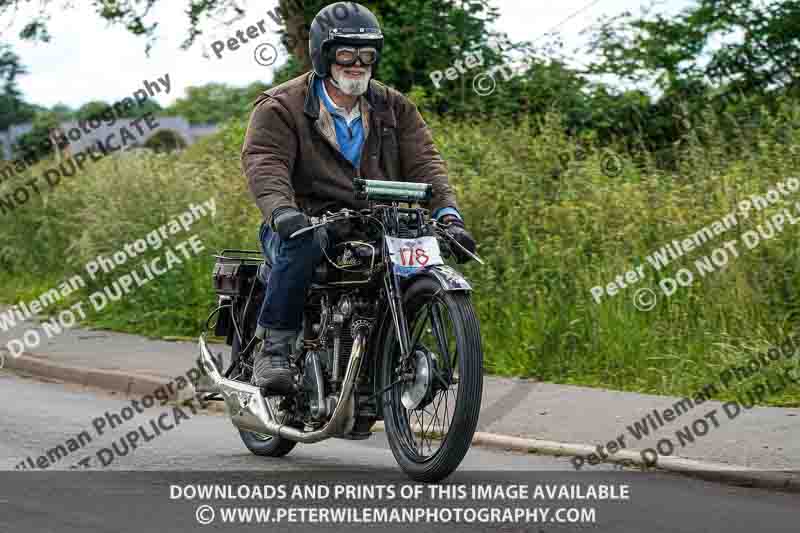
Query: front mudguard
{"type": "Point", "coordinates": [448, 277]}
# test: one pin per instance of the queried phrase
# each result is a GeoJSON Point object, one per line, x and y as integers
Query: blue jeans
{"type": "Point", "coordinates": [293, 264]}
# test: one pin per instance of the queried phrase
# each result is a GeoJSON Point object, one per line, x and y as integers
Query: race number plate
{"type": "Point", "coordinates": [410, 255]}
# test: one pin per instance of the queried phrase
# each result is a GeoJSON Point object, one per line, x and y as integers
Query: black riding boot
{"type": "Point", "coordinates": [271, 369]}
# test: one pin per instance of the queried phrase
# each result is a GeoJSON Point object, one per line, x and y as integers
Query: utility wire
{"type": "Point", "coordinates": [572, 16]}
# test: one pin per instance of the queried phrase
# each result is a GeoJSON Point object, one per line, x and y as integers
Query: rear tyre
{"type": "Point", "coordinates": [266, 445]}
{"type": "Point", "coordinates": [431, 419]}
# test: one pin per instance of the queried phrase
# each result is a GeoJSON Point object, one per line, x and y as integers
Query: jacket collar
{"type": "Point", "coordinates": [375, 99]}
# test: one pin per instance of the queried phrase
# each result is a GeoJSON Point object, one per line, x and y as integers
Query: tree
{"type": "Point", "coordinates": [35, 144]}
{"type": "Point", "coordinates": [733, 58]}
{"type": "Point", "coordinates": [134, 15]}
{"type": "Point", "coordinates": [215, 102]}
{"type": "Point", "coordinates": [92, 109]}
{"type": "Point", "coordinates": [96, 109]}
{"type": "Point", "coordinates": [744, 46]}
{"type": "Point", "coordinates": [13, 109]}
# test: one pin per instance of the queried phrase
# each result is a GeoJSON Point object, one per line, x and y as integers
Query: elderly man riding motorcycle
{"type": "Point", "coordinates": [307, 140]}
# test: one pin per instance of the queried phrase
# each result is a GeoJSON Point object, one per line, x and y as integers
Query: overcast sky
{"type": "Point", "coordinates": [90, 60]}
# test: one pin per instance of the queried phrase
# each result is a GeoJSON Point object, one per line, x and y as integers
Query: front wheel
{"type": "Point", "coordinates": [432, 409]}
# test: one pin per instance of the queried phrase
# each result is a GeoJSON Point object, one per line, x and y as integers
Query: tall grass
{"type": "Point", "coordinates": [550, 223]}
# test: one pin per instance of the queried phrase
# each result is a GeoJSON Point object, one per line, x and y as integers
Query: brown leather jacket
{"type": "Point", "coordinates": [291, 158]}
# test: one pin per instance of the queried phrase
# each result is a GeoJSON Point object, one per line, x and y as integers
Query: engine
{"type": "Point", "coordinates": [337, 316]}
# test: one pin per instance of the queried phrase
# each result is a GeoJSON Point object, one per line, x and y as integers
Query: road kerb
{"type": "Point", "coordinates": [711, 471]}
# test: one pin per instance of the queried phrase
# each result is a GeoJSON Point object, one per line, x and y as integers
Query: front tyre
{"type": "Point", "coordinates": [432, 410]}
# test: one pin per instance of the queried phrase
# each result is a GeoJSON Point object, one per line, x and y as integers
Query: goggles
{"type": "Point", "coordinates": [348, 55]}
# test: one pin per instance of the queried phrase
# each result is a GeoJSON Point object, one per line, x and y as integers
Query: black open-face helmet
{"type": "Point", "coordinates": [346, 23]}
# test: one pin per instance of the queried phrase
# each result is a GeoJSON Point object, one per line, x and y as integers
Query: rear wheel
{"type": "Point", "coordinates": [258, 443]}
{"type": "Point", "coordinates": [432, 410]}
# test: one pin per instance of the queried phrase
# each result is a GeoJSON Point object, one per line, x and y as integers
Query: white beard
{"type": "Point", "coordinates": [350, 86]}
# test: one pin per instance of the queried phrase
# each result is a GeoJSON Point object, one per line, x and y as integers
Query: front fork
{"type": "Point", "coordinates": [395, 296]}
{"type": "Point", "coordinates": [394, 292]}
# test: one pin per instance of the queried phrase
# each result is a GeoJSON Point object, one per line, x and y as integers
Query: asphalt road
{"type": "Point", "coordinates": [136, 490]}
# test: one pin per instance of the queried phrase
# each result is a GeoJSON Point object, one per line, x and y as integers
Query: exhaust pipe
{"type": "Point", "coordinates": [250, 411]}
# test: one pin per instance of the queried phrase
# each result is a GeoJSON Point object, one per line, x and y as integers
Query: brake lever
{"type": "Point", "coordinates": [443, 230]}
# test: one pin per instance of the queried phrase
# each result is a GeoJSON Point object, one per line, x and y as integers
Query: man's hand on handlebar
{"type": "Point", "coordinates": [287, 220]}
{"type": "Point", "coordinates": [455, 227]}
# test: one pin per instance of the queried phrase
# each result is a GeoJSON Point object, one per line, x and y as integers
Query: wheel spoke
{"type": "Point", "coordinates": [447, 408]}
{"type": "Point", "coordinates": [453, 362]}
{"type": "Point", "coordinates": [430, 424]}
{"type": "Point", "coordinates": [409, 433]}
{"type": "Point", "coordinates": [441, 379]}
{"type": "Point", "coordinates": [442, 427]}
{"type": "Point", "coordinates": [421, 329]}
{"type": "Point", "coordinates": [411, 436]}
{"type": "Point", "coordinates": [433, 418]}
{"type": "Point", "coordinates": [420, 424]}
{"type": "Point", "coordinates": [438, 331]}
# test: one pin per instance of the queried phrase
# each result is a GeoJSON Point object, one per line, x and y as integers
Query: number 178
{"type": "Point", "coordinates": [410, 254]}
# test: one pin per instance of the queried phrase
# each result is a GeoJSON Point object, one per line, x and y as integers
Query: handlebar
{"type": "Point", "coordinates": [345, 214]}
{"type": "Point", "coordinates": [327, 218]}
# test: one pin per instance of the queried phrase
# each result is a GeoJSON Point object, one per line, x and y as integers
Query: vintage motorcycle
{"type": "Point", "coordinates": [389, 333]}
